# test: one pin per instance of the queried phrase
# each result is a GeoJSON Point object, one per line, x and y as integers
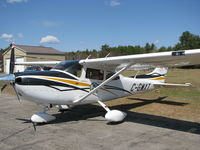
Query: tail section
{"type": "Point", "coordinates": [162, 71]}
{"type": "Point", "coordinates": [158, 74]}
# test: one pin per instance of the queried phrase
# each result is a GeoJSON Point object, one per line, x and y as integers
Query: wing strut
{"type": "Point", "coordinates": [102, 84]}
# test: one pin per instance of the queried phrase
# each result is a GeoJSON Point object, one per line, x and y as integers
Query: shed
{"type": "Point", "coordinates": [31, 53]}
{"type": "Point", "coordinates": [1, 61]}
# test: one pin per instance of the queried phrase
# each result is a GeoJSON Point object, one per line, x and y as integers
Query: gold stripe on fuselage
{"type": "Point", "coordinates": [75, 83]}
{"type": "Point", "coordinates": [159, 78]}
{"type": "Point", "coordinates": [67, 81]}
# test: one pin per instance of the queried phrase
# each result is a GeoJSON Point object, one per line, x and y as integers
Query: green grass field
{"type": "Point", "coordinates": [177, 103]}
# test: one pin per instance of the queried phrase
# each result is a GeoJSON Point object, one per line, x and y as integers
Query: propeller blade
{"type": "Point", "coordinates": [28, 121]}
{"type": "Point", "coordinates": [34, 126]}
{"type": "Point", "coordinates": [3, 87]}
{"type": "Point", "coordinates": [12, 61]}
{"type": "Point", "coordinates": [24, 120]}
{"type": "Point", "coordinates": [13, 85]}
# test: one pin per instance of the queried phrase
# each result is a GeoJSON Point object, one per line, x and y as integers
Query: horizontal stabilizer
{"type": "Point", "coordinates": [172, 85]}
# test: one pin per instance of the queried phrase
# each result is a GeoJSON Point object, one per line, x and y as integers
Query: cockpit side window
{"type": "Point", "coordinates": [94, 74]}
{"type": "Point", "coordinates": [72, 67]}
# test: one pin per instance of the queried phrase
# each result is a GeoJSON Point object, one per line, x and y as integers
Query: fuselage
{"type": "Point", "coordinates": [59, 87]}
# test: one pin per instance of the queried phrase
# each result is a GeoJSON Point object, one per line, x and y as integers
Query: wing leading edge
{"type": "Point", "coordinates": [167, 59]}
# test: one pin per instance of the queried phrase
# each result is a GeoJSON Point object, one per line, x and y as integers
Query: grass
{"type": "Point", "coordinates": [177, 103]}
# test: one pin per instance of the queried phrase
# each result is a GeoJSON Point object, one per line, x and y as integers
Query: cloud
{"type": "Point", "coordinates": [49, 39]}
{"type": "Point", "coordinates": [20, 35]}
{"type": "Point", "coordinates": [6, 36]}
{"type": "Point", "coordinates": [16, 1]}
{"type": "Point", "coordinates": [156, 42]}
{"type": "Point", "coordinates": [114, 3]}
{"type": "Point", "coordinates": [50, 23]}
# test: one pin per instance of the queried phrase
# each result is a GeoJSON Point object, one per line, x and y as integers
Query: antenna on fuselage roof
{"type": "Point", "coordinates": [88, 56]}
{"type": "Point", "coordinates": [107, 55]}
{"type": "Point", "coordinates": [136, 74]}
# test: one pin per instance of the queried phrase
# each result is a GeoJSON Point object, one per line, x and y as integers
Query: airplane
{"type": "Point", "coordinates": [78, 82]}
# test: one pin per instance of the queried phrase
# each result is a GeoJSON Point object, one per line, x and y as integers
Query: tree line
{"type": "Point", "coordinates": [186, 41]}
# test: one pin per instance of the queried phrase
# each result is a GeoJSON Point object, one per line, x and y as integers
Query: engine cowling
{"type": "Point", "coordinates": [115, 116]}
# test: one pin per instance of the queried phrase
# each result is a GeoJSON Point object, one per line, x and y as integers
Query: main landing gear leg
{"type": "Point", "coordinates": [113, 115]}
{"type": "Point", "coordinates": [42, 117]}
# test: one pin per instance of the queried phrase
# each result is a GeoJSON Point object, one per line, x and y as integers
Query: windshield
{"type": "Point", "coordinates": [71, 66]}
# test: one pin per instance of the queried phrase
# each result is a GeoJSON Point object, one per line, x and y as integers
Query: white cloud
{"type": "Point", "coordinates": [156, 42]}
{"type": "Point", "coordinates": [20, 35]}
{"type": "Point", "coordinates": [16, 1]}
{"type": "Point", "coordinates": [6, 36]}
{"type": "Point", "coordinates": [49, 39]}
{"type": "Point", "coordinates": [114, 3]}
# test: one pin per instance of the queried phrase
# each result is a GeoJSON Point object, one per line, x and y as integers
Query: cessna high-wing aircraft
{"type": "Point", "coordinates": [77, 82]}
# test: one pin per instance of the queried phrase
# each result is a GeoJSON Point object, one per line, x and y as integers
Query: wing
{"type": "Point", "coordinates": [38, 63]}
{"type": "Point", "coordinates": [167, 59]}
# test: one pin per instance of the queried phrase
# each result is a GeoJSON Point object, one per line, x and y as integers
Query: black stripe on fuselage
{"type": "Point", "coordinates": [116, 88]}
{"type": "Point", "coordinates": [63, 90]}
{"type": "Point", "coordinates": [147, 76]}
{"type": "Point", "coordinates": [45, 73]}
{"type": "Point", "coordinates": [28, 81]}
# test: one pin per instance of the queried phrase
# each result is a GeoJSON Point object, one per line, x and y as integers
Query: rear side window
{"type": "Point", "coordinates": [109, 74]}
{"type": "Point", "coordinates": [94, 74]}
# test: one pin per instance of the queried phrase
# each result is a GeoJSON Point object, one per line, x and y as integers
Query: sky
{"type": "Point", "coordinates": [70, 25]}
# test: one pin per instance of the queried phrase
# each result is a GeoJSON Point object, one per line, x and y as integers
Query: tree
{"type": "Point", "coordinates": [105, 49]}
{"type": "Point", "coordinates": [147, 48]}
{"type": "Point", "coordinates": [162, 49]}
{"type": "Point", "coordinates": [188, 41]}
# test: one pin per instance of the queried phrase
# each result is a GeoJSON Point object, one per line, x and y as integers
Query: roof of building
{"type": "Point", "coordinates": [39, 50]}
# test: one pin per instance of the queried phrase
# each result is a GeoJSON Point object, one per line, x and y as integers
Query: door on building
{"type": "Point", "coordinates": [7, 66]}
{"type": "Point", "coordinates": [19, 68]}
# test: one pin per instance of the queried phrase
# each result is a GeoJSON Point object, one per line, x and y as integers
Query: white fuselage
{"type": "Point", "coordinates": [56, 94]}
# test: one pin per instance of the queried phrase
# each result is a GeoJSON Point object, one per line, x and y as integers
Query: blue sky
{"type": "Point", "coordinates": [71, 25]}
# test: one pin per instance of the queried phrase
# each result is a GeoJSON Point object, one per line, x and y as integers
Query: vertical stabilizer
{"type": "Point", "coordinates": [159, 74]}
{"type": "Point", "coordinates": [159, 71]}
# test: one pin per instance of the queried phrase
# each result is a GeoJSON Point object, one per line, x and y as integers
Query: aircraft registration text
{"type": "Point", "coordinates": [140, 86]}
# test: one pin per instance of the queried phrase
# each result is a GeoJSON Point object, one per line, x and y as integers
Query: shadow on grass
{"type": "Point", "coordinates": [158, 100]}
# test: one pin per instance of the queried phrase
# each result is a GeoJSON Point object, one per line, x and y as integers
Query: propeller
{"type": "Point", "coordinates": [13, 85]}
{"type": "Point", "coordinates": [3, 87]}
{"type": "Point", "coordinates": [12, 59]}
{"type": "Point", "coordinates": [28, 121]}
{"type": "Point", "coordinates": [11, 76]}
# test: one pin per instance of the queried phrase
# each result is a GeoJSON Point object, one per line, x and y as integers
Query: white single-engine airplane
{"type": "Point", "coordinates": [77, 82]}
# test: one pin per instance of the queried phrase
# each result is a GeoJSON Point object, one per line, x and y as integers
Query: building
{"type": "Point", "coordinates": [1, 61]}
{"type": "Point", "coordinates": [29, 54]}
